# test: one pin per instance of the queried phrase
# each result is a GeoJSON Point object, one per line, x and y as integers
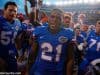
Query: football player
{"type": "Point", "coordinates": [93, 49]}
{"type": "Point", "coordinates": [9, 27]}
{"type": "Point", "coordinates": [53, 51]}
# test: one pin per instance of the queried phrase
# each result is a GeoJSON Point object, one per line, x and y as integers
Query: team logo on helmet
{"type": "Point", "coordinates": [63, 39]}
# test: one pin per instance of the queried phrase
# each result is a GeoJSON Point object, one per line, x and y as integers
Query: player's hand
{"type": "Point", "coordinates": [2, 65]}
{"type": "Point", "coordinates": [85, 44]}
{"type": "Point", "coordinates": [74, 42]}
{"type": "Point", "coordinates": [80, 46]}
{"type": "Point", "coordinates": [25, 2]}
{"type": "Point", "coordinates": [2, 62]}
{"type": "Point", "coordinates": [32, 2]}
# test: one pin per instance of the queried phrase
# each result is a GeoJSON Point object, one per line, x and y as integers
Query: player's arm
{"type": "Point", "coordinates": [70, 58]}
{"type": "Point", "coordinates": [26, 8]}
{"type": "Point", "coordinates": [34, 47]}
{"type": "Point", "coordinates": [34, 50]}
{"type": "Point", "coordinates": [19, 39]}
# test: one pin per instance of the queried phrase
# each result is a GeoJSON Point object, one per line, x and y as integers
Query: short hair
{"type": "Point", "coordinates": [58, 11]}
{"type": "Point", "coordinates": [9, 3]}
{"type": "Point", "coordinates": [67, 15]}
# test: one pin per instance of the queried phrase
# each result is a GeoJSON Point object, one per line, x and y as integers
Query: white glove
{"type": "Point", "coordinates": [80, 46]}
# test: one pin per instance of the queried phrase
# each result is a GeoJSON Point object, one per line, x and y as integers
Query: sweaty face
{"type": "Point", "coordinates": [54, 20]}
{"type": "Point", "coordinates": [10, 13]}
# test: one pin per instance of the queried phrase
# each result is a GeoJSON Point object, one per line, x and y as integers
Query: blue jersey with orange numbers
{"type": "Point", "coordinates": [52, 49]}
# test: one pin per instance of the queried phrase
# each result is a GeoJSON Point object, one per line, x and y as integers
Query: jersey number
{"type": "Point", "coordinates": [93, 42]}
{"type": "Point", "coordinates": [6, 37]}
{"type": "Point", "coordinates": [48, 48]}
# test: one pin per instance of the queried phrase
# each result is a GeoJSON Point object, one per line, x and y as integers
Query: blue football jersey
{"type": "Point", "coordinates": [8, 32]}
{"type": "Point", "coordinates": [84, 34]}
{"type": "Point", "coordinates": [80, 39]}
{"type": "Point", "coordinates": [93, 48]}
{"type": "Point", "coordinates": [52, 49]}
{"type": "Point", "coordinates": [23, 27]}
{"type": "Point", "coordinates": [92, 52]}
{"type": "Point", "coordinates": [45, 24]}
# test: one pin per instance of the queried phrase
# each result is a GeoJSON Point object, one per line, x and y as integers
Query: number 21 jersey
{"type": "Point", "coordinates": [52, 48]}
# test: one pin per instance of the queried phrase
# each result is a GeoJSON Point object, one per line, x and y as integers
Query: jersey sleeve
{"type": "Point", "coordinates": [71, 34]}
{"type": "Point", "coordinates": [37, 31]}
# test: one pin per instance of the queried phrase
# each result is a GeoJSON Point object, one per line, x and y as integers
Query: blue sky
{"type": "Point", "coordinates": [51, 1]}
{"type": "Point", "coordinates": [20, 4]}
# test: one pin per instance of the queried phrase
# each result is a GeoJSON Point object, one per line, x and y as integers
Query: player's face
{"type": "Point", "coordinates": [85, 27]}
{"type": "Point", "coordinates": [66, 20]}
{"type": "Point", "coordinates": [10, 13]}
{"type": "Point", "coordinates": [97, 28]}
{"type": "Point", "coordinates": [77, 31]}
{"type": "Point", "coordinates": [54, 20]}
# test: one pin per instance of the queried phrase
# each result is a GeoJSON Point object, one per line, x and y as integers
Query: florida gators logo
{"type": "Point", "coordinates": [62, 39]}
